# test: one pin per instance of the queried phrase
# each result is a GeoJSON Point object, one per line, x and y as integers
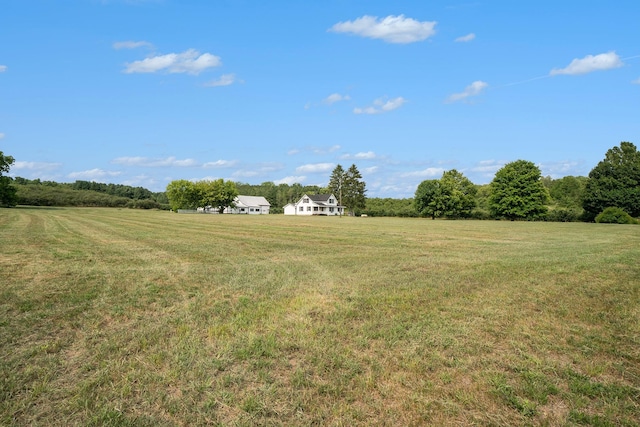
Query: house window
{"type": "Point", "coordinates": [331, 201]}
{"type": "Point", "coordinates": [241, 209]}
{"type": "Point", "coordinates": [330, 209]}
{"type": "Point", "coordinates": [309, 208]}
{"type": "Point", "coordinates": [305, 200]}
{"type": "Point", "coordinates": [322, 209]}
{"type": "Point", "coordinates": [301, 208]}
{"type": "Point", "coordinates": [315, 209]}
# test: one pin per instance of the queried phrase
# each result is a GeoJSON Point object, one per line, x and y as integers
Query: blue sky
{"type": "Point", "coordinates": [144, 92]}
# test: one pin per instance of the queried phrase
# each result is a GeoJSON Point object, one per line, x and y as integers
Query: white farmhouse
{"type": "Point", "coordinates": [315, 204]}
{"type": "Point", "coordinates": [251, 205]}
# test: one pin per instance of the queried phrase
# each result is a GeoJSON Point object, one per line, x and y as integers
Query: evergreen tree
{"type": "Point", "coordinates": [355, 187]}
{"type": "Point", "coordinates": [348, 187]}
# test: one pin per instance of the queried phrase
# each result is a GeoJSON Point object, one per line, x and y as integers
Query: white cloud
{"type": "Point", "coordinates": [368, 155]}
{"type": "Point", "coordinates": [220, 164]}
{"type": "Point", "coordinates": [472, 90]}
{"type": "Point", "coordinates": [290, 180]}
{"type": "Point", "coordinates": [426, 173]}
{"type": "Point", "coordinates": [335, 97]}
{"type": "Point", "coordinates": [636, 82]}
{"type": "Point", "coordinates": [93, 174]}
{"type": "Point", "coordinates": [245, 173]}
{"type": "Point", "coordinates": [590, 63]}
{"type": "Point", "coordinates": [466, 38]}
{"type": "Point", "coordinates": [1, 135]}
{"type": "Point", "coordinates": [315, 168]}
{"type": "Point", "coordinates": [392, 29]}
{"type": "Point", "coordinates": [35, 166]}
{"type": "Point", "coordinates": [189, 61]}
{"type": "Point", "coordinates": [131, 45]}
{"type": "Point", "coordinates": [152, 163]}
{"type": "Point", "coordinates": [381, 105]}
{"type": "Point", "coordinates": [371, 170]}
{"type": "Point", "coordinates": [3, 68]}
{"type": "Point", "coordinates": [560, 169]}
{"type": "Point", "coordinates": [223, 80]}
{"type": "Point", "coordinates": [488, 166]}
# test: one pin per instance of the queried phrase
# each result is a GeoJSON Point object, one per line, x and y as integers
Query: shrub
{"type": "Point", "coordinates": [563, 215]}
{"type": "Point", "coordinates": [613, 215]}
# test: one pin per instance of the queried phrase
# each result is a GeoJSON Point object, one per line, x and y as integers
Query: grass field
{"type": "Point", "coordinates": [150, 318]}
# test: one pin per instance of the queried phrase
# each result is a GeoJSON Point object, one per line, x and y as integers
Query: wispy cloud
{"type": "Point", "coordinates": [223, 80]}
{"type": "Point", "coordinates": [131, 45]}
{"type": "Point", "coordinates": [1, 135]}
{"type": "Point", "coordinates": [425, 173]}
{"type": "Point", "coordinates": [35, 166]}
{"type": "Point", "coordinates": [219, 164]}
{"type": "Point", "coordinates": [93, 174]}
{"type": "Point", "coordinates": [560, 169]}
{"type": "Point", "coordinates": [335, 97]}
{"type": "Point", "coordinates": [488, 166]}
{"type": "Point", "coordinates": [466, 38]}
{"type": "Point", "coordinates": [153, 163]}
{"type": "Point", "coordinates": [381, 105]}
{"type": "Point", "coordinates": [315, 168]}
{"type": "Point", "coordinates": [473, 89]}
{"type": "Point", "coordinates": [636, 82]}
{"type": "Point", "coordinates": [189, 61]}
{"type": "Point", "coordinates": [368, 155]}
{"type": "Point", "coordinates": [3, 68]}
{"type": "Point", "coordinates": [291, 180]}
{"type": "Point", "coordinates": [589, 64]}
{"type": "Point", "coordinates": [392, 29]}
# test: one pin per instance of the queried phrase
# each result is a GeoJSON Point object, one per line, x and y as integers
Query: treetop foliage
{"type": "Point", "coordinates": [517, 192]}
{"type": "Point", "coordinates": [7, 191]}
{"type": "Point", "coordinates": [452, 196]}
{"type": "Point", "coordinates": [615, 182]}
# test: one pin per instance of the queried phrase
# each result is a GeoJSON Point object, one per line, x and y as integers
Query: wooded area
{"type": "Point", "coordinates": [518, 191]}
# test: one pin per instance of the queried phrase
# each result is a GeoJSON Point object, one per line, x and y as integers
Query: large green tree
{"type": "Point", "coordinates": [337, 182]}
{"type": "Point", "coordinates": [427, 201]}
{"type": "Point", "coordinates": [353, 196]}
{"type": "Point", "coordinates": [8, 195]}
{"type": "Point", "coordinates": [182, 194]}
{"type": "Point", "coordinates": [517, 192]}
{"type": "Point", "coordinates": [348, 187]}
{"type": "Point", "coordinates": [614, 182]}
{"type": "Point", "coordinates": [452, 196]}
{"type": "Point", "coordinates": [218, 194]}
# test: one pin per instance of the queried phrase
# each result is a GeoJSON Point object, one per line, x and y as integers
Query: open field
{"type": "Point", "coordinates": [149, 318]}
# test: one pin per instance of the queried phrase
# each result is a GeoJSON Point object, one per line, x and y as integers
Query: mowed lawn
{"type": "Point", "coordinates": [149, 318]}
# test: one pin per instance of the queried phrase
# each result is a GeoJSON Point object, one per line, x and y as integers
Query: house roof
{"type": "Point", "coordinates": [247, 201]}
{"type": "Point", "coordinates": [321, 197]}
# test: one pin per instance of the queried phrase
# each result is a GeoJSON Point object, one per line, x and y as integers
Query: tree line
{"type": "Point", "coordinates": [611, 193]}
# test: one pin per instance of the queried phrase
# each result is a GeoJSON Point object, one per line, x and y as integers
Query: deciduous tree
{"type": "Point", "coordinates": [452, 196]}
{"type": "Point", "coordinates": [8, 195]}
{"type": "Point", "coordinates": [517, 192]}
{"type": "Point", "coordinates": [615, 182]}
{"type": "Point", "coordinates": [182, 194]}
{"type": "Point", "coordinates": [218, 194]}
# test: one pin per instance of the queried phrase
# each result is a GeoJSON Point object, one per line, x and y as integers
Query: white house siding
{"type": "Point", "coordinates": [319, 204]}
{"type": "Point", "coordinates": [249, 205]}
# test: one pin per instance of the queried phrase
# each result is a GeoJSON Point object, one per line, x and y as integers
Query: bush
{"type": "Point", "coordinates": [563, 215]}
{"type": "Point", "coordinates": [615, 215]}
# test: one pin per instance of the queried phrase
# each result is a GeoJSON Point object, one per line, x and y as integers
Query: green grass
{"type": "Point", "coordinates": [149, 318]}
